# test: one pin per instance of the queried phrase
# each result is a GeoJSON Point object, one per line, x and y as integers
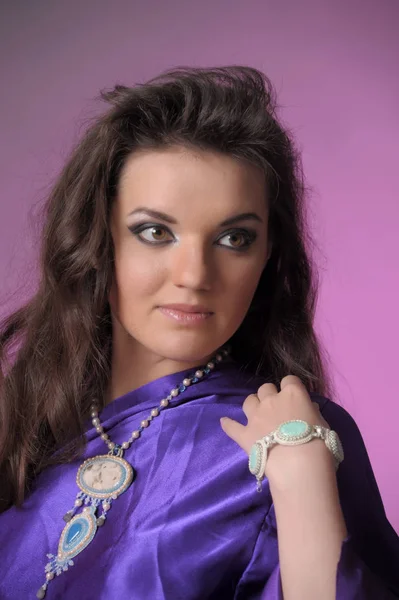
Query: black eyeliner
{"type": "Point", "coordinates": [139, 227]}
{"type": "Point", "coordinates": [143, 226]}
{"type": "Point", "coordinates": [250, 236]}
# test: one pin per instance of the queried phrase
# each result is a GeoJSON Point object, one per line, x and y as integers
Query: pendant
{"type": "Point", "coordinates": [101, 480]}
{"type": "Point", "coordinates": [104, 476]}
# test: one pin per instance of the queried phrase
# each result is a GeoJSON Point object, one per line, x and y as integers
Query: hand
{"type": "Point", "coordinates": [268, 409]}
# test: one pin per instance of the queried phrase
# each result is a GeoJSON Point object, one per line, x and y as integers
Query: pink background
{"type": "Point", "coordinates": [335, 66]}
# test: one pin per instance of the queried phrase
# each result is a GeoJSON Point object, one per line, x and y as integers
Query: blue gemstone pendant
{"type": "Point", "coordinates": [77, 534]}
{"type": "Point", "coordinates": [101, 480]}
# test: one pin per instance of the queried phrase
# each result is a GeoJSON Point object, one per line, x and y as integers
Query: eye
{"type": "Point", "coordinates": [152, 234]}
{"type": "Point", "coordinates": [238, 239]}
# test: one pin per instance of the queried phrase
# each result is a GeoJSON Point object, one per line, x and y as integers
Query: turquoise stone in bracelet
{"type": "Point", "coordinates": [257, 461]}
{"type": "Point", "coordinates": [293, 428]}
{"type": "Point", "coordinates": [293, 432]}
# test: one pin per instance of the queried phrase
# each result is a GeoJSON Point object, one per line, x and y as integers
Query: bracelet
{"type": "Point", "coordinates": [292, 433]}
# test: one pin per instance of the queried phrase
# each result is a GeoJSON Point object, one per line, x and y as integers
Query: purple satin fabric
{"type": "Point", "coordinates": [191, 526]}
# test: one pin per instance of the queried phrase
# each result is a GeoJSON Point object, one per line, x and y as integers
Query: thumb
{"type": "Point", "coordinates": [235, 431]}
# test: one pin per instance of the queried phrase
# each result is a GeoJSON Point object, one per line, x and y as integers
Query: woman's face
{"type": "Point", "coordinates": [190, 237]}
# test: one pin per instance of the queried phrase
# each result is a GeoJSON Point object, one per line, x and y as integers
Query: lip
{"type": "Point", "coordinates": [187, 308]}
{"type": "Point", "coordinates": [187, 314]}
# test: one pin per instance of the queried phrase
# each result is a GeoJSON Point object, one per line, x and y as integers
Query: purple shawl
{"type": "Point", "coordinates": [192, 525]}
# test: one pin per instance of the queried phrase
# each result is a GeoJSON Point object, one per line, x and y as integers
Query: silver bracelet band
{"type": "Point", "coordinates": [292, 433]}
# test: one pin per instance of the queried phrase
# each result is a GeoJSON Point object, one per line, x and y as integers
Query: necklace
{"type": "Point", "coordinates": [101, 479]}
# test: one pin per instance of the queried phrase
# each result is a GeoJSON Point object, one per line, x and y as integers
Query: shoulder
{"type": "Point", "coordinates": [340, 420]}
{"type": "Point", "coordinates": [356, 464]}
{"type": "Point", "coordinates": [373, 536]}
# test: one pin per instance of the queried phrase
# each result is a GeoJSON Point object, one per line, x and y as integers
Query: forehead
{"type": "Point", "coordinates": [179, 178]}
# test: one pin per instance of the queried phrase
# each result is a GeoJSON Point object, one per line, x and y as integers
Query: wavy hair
{"type": "Point", "coordinates": [55, 351]}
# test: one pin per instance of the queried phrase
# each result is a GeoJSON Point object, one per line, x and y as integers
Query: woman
{"type": "Point", "coordinates": [176, 282]}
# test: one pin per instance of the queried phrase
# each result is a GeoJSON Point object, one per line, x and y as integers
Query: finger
{"type": "Point", "coordinates": [316, 405]}
{"type": "Point", "coordinates": [291, 380]}
{"type": "Point", "coordinates": [267, 389]}
{"type": "Point", "coordinates": [250, 405]}
{"type": "Point", "coordinates": [235, 431]}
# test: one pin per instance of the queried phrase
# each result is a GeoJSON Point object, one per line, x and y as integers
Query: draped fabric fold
{"type": "Point", "coordinates": [192, 525]}
{"type": "Point", "coordinates": [355, 581]}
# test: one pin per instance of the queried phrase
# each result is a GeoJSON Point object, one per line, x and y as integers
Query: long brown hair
{"type": "Point", "coordinates": [55, 351]}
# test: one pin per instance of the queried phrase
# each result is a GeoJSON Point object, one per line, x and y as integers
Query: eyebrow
{"type": "Point", "coordinates": [156, 214]}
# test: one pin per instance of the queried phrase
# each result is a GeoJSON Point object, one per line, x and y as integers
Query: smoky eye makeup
{"type": "Point", "coordinates": [151, 233]}
{"type": "Point", "coordinates": [238, 239]}
{"type": "Point", "coordinates": [236, 235]}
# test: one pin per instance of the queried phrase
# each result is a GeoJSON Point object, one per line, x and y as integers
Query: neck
{"type": "Point", "coordinates": [134, 366]}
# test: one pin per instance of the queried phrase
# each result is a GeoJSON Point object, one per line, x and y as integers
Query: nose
{"type": "Point", "coordinates": [191, 266]}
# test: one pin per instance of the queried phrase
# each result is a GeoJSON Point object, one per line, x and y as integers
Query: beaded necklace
{"type": "Point", "coordinates": [101, 480]}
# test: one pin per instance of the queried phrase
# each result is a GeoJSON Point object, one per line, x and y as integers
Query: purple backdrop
{"type": "Point", "coordinates": [335, 67]}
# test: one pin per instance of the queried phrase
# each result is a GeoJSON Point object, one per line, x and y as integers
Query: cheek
{"type": "Point", "coordinates": [238, 293]}
{"type": "Point", "coordinates": [136, 277]}
{"type": "Point", "coordinates": [243, 282]}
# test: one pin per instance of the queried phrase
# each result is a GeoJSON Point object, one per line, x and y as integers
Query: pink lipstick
{"type": "Point", "coordinates": [188, 314]}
